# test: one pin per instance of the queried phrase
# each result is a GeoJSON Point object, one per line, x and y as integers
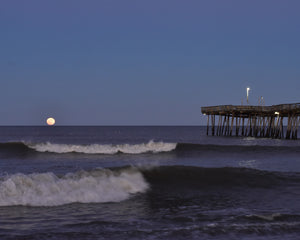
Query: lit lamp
{"type": "Point", "coordinates": [248, 89]}
{"type": "Point", "coordinates": [277, 113]}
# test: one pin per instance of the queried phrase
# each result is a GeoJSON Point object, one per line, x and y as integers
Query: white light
{"type": "Point", "coordinates": [248, 89]}
{"type": "Point", "coordinates": [277, 113]}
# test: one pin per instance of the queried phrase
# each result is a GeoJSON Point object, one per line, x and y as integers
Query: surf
{"type": "Point", "coordinates": [151, 146]}
{"type": "Point", "coordinates": [48, 189]}
{"type": "Point", "coordinates": [25, 148]}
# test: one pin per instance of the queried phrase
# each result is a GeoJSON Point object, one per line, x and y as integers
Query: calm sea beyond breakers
{"type": "Point", "coordinates": [146, 183]}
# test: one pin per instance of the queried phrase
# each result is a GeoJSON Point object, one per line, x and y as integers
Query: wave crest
{"type": "Point", "coordinates": [151, 146]}
{"type": "Point", "coordinates": [47, 189]}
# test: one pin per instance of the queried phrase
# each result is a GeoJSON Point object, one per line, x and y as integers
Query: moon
{"type": "Point", "coordinates": [50, 121]}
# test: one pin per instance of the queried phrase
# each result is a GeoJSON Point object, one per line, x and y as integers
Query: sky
{"type": "Point", "coordinates": [139, 62]}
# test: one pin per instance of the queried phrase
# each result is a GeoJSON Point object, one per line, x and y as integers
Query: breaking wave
{"type": "Point", "coordinates": [48, 189]}
{"type": "Point", "coordinates": [22, 148]}
{"type": "Point", "coordinates": [118, 184]}
{"type": "Point", "coordinates": [151, 146]}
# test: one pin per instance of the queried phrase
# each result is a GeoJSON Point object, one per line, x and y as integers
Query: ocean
{"type": "Point", "coordinates": [146, 183]}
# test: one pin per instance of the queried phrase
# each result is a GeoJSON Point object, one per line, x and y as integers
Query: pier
{"type": "Point", "coordinates": [253, 121]}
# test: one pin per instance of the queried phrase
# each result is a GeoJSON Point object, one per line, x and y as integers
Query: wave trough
{"type": "Point", "coordinates": [47, 189]}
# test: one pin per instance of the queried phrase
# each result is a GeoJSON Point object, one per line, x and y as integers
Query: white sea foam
{"type": "Point", "coordinates": [47, 189]}
{"type": "Point", "coordinates": [151, 146]}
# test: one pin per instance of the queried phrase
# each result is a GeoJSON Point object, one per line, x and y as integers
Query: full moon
{"type": "Point", "coordinates": [50, 121]}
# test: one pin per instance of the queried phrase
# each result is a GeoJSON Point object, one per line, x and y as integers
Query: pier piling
{"type": "Point", "coordinates": [262, 121]}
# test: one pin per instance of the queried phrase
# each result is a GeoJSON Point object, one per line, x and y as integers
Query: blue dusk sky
{"type": "Point", "coordinates": [139, 62]}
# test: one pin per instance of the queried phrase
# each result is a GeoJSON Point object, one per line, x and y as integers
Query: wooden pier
{"type": "Point", "coordinates": [253, 121]}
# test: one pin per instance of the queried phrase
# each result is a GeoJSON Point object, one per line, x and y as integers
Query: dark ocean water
{"type": "Point", "coordinates": [146, 183]}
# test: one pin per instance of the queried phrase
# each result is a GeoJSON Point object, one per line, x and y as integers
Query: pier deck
{"type": "Point", "coordinates": [261, 121]}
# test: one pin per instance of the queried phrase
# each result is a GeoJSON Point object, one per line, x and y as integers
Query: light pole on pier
{"type": "Point", "coordinates": [248, 89]}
